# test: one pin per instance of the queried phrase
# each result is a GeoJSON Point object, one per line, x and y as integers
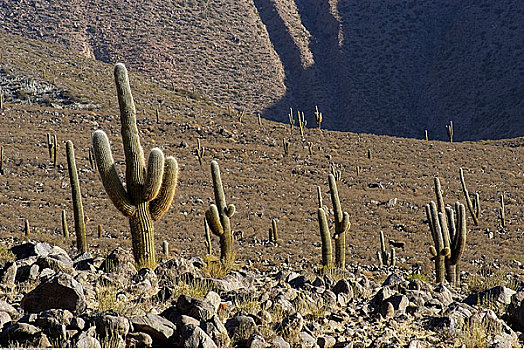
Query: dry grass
{"type": "Point", "coordinates": [473, 335]}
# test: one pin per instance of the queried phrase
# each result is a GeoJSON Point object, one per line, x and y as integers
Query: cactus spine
{"type": "Point", "coordinates": [78, 210]}
{"type": "Point", "coordinates": [218, 216]}
{"type": "Point", "coordinates": [149, 189]}
{"type": "Point", "coordinates": [65, 230]}
{"type": "Point", "coordinates": [342, 224]}
{"type": "Point", "coordinates": [473, 207]}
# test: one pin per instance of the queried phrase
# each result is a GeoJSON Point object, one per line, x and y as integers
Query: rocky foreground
{"type": "Point", "coordinates": [49, 299]}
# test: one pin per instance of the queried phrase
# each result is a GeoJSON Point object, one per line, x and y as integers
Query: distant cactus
{"type": "Point", "coordinates": [149, 189]}
{"type": "Point", "coordinates": [1, 100]}
{"type": "Point", "coordinates": [27, 228]}
{"type": "Point", "coordinates": [473, 207]}
{"type": "Point", "coordinates": [2, 170]}
{"type": "Point", "coordinates": [273, 231]}
{"type": "Point", "coordinates": [78, 210]}
{"type": "Point", "coordinates": [259, 119]}
{"type": "Point", "coordinates": [318, 118]}
{"type": "Point", "coordinates": [200, 151]}
{"type": "Point", "coordinates": [449, 131]}
{"type": "Point", "coordinates": [218, 216]}
{"type": "Point", "coordinates": [335, 171]}
{"type": "Point", "coordinates": [65, 230]}
{"type": "Point", "coordinates": [302, 122]}
{"type": "Point", "coordinates": [55, 151]}
{"type": "Point", "coordinates": [385, 258]}
{"type": "Point", "coordinates": [285, 145]}
{"type": "Point", "coordinates": [502, 211]}
{"type": "Point", "coordinates": [342, 224]}
{"type": "Point", "coordinates": [50, 146]}
{"type": "Point", "coordinates": [310, 148]}
{"type": "Point", "coordinates": [291, 120]}
{"type": "Point", "coordinates": [165, 248]}
{"type": "Point", "coordinates": [426, 135]}
{"type": "Point", "coordinates": [100, 230]}
{"type": "Point", "coordinates": [370, 155]}
{"type": "Point", "coordinates": [157, 112]}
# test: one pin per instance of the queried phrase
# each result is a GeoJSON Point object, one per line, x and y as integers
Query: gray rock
{"type": "Point", "coordinates": [199, 309]}
{"type": "Point", "coordinates": [393, 280]}
{"type": "Point", "coordinates": [77, 323]}
{"type": "Point", "coordinates": [194, 337]}
{"type": "Point", "coordinates": [26, 250]}
{"type": "Point", "coordinates": [53, 322]}
{"type": "Point", "coordinates": [8, 308]}
{"type": "Point", "coordinates": [57, 265]}
{"type": "Point", "coordinates": [139, 340]}
{"type": "Point", "coordinates": [279, 342]}
{"type": "Point", "coordinates": [306, 340]}
{"type": "Point", "coordinates": [213, 299]}
{"type": "Point", "coordinates": [343, 286]}
{"type": "Point", "coordinates": [22, 333]}
{"type": "Point", "coordinates": [9, 274]}
{"type": "Point", "coordinates": [4, 318]}
{"type": "Point", "coordinates": [443, 294]}
{"type": "Point", "coordinates": [159, 328]}
{"type": "Point", "coordinates": [109, 325]}
{"type": "Point", "coordinates": [256, 341]}
{"type": "Point", "coordinates": [495, 327]}
{"type": "Point", "coordinates": [44, 296]}
{"type": "Point", "coordinates": [399, 303]}
{"type": "Point", "coordinates": [86, 341]}
{"type": "Point", "coordinates": [497, 296]}
{"type": "Point", "coordinates": [217, 331]}
{"type": "Point", "coordinates": [120, 261]}
{"type": "Point", "coordinates": [241, 327]}
{"type": "Point", "coordinates": [293, 324]}
{"type": "Point", "coordinates": [145, 282]}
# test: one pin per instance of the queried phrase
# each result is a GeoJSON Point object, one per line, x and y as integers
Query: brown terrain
{"type": "Point", "coordinates": [383, 67]}
{"type": "Point", "coordinates": [258, 178]}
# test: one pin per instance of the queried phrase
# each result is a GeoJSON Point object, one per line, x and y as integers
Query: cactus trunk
{"type": "Point", "coordinates": [78, 210]}
{"type": "Point", "coordinates": [143, 236]}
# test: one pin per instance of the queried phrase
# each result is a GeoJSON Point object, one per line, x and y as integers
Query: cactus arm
{"type": "Point", "coordinates": [337, 208]}
{"type": "Point", "coordinates": [468, 198]}
{"type": "Point", "coordinates": [220, 198]}
{"type": "Point", "coordinates": [155, 172]}
{"type": "Point", "coordinates": [231, 209]}
{"type": "Point", "coordinates": [451, 225]}
{"type": "Point", "coordinates": [135, 163]}
{"type": "Point", "coordinates": [445, 231]}
{"type": "Point", "coordinates": [319, 197]}
{"type": "Point", "coordinates": [441, 207]}
{"type": "Point", "coordinates": [213, 220]}
{"type": "Point", "coordinates": [106, 167]}
{"type": "Point", "coordinates": [460, 242]}
{"type": "Point", "coordinates": [436, 230]}
{"type": "Point", "coordinates": [159, 206]}
{"type": "Point", "coordinates": [325, 237]}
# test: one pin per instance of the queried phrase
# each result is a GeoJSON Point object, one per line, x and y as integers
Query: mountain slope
{"type": "Point", "coordinates": [386, 67]}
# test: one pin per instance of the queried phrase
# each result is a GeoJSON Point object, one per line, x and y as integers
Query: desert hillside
{"type": "Point", "coordinates": [383, 67]}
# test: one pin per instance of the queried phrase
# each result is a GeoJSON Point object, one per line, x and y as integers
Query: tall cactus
{"type": "Point", "coordinates": [273, 231]}
{"type": "Point", "coordinates": [449, 237]}
{"type": "Point", "coordinates": [149, 189]}
{"type": "Point", "coordinates": [78, 210]}
{"type": "Point", "coordinates": [342, 224]}
{"type": "Point", "coordinates": [218, 216]}
{"type": "Point", "coordinates": [385, 258]}
{"type": "Point", "coordinates": [65, 230]}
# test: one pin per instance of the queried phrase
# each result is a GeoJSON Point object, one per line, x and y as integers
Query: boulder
{"type": "Point", "coordinates": [159, 328]}
{"type": "Point", "coordinates": [139, 340]}
{"type": "Point", "coordinates": [60, 292]}
{"type": "Point", "coordinates": [293, 324]}
{"type": "Point", "coordinates": [306, 340]}
{"type": "Point", "coordinates": [256, 341]}
{"type": "Point", "coordinates": [120, 261]}
{"type": "Point", "coordinates": [194, 337]}
{"type": "Point", "coordinates": [199, 309]}
{"type": "Point", "coordinates": [241, 328]}
{"type": "Point", "coordinates": [109, 325]}
{"type": "Point", "coordinates": [217, 331]}
{"type": "Point", "coordinates": [515, 313]}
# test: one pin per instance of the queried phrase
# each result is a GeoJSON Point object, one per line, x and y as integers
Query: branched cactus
{"type": "Point", "coordinates": [473, 207]}
{"type": "Point", "coordinates": [149, 189]}
{"type": "Point", "coordinates": [78, 210]}
{"type": "Point", "coordinates": [449, 237]}
{"type": "Point", "coordinates": [218, 217]}
{"type": "Point", "coordinates": [291, 120]}
{"type": "Point", "coordinates": [385, 258]}
{"type": "Point", "coordinates": [200, 151]}
{"type": "Point", "coordinates": [342, 224]}
{"type": "Point", "coordinates": [302, 122]}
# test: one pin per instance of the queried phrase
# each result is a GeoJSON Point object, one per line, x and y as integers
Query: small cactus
{"type": "Point", "coordinates": [27, 228]}
{"type": "Point", "coordinates": [502, 211]}
{"type": "Point", "coordinates": [291, 120]}
{"type": "Point", "coordinates": [165, 248]}
{"type": "Point", "coordinates": [2, 169]}
{"type": "Point", "coordinates": [385, 258]}
{"type": "Point", "coordinates": [200, 151]}
{"type": "Point", "coordinates": [473, 207]}
{"type": "Point", "coordinates": [426, 135]}
{"type": "Point", "coordinates": [302, 122]}
{"type": "Point", "coordinates": [318, 118]}
{"type": "Point", "coordinates": [273, 231]}
{"type": "Point", "coordinates": [285, 145]}
{"type": "Point", "coordinates": [65, 230]}
{"type": "Point", "coordinates": [449, 131]}
{"type": "Point", "coordinates": [50, 146]}
{"type": "Point", "coordinates": [208, 238]}
{"type": "Point", "coordinates": [1, 100]}
{"type": "Point", "coordinates": [218, 216]}
{"type": "Point", "coordinates": [150, 188]}
{"type": "Point", "coordinates": [342, 225]}
{"type": "Point", "coordinates": [310, 148]}
{"type": "Point", "coordinates": [100, 230]}
{"type": "Point", "coordinates": [78, 210]}
{"type": "Point", "coordinates": [55, 151]}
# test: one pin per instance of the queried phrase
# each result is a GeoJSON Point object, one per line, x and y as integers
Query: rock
{"type": "Point", "coordinates": [22, 333]}
{"type": "Point", "coordinates": [54, 322]}
{"type": "Point", "coordinates": [393, 280]}
{"type": "Point", "coordinates": [298, 282]}
{"type": "Point", "coordinates": [194, 337]}
{"type": "Point", "coordinates": [9, 274]}
{"type": "Point", "coordinates": [175, 268]}
{"type": "Point", "coordinates": [4, 318]}
{"type": "Point", "coordinates": [217, 331]}
{"type": "Point", "coordinates": [515, 313]}
{"type": "Point", "coordinates": [213, 299]}
{"type": "Point", "coordinates": [387, 310]}
{"type": "Point", "coordinates": [265, 317]}
{"type": "Point", "coordinates": [233, 281]}
{"type": "Point", "coordinates": [145, 282]}
{"type": "Point", "coordinates": [326, 341]}
{"type": "Point", "coordinates": [343, 286]}
{"type": "Point", "coordinates": [199, 309]}
{"type": "Point", "coordinates": [240, 328]}
{"type": "Point", "coordinates": [279, 342]}
{"type": "Point", "coordinates": [443, 294]}
{"type": "Point", "coordinates": [159, 328]}
{"type": "Point", "coordinates": [382, 294]}
{"type": "Point", "coordinates": [306, 340]}
{"type": "Point", "coordinates": [26, 250]}
{"type": "Point", "coordinates": [399, 303]}
{"type": "Point", "coordinates": [44, 296]}
{"type": "Point", "coordinates": [498, 296]}
{"type": "Point", "coordinates": [256, 341]}
{"type": "Point", "coordinates": [86, 341]}
{"type": "Point", "coordinates": [139, 340]}
{"type": "Point", "coordinates": [109, 325]}
{"type": "Point", "coordinates": [77, 323]}
{"type": "Point", "coordinates": [495, 327]}
{"type": "Point", "coordinates": [8, 308]}
{"type": "Point", "coordinates": [120, 261]}
{"type": "Point", "coordinates": [56, 265]}
{"type": "Point", "coordinates": [293, 324]}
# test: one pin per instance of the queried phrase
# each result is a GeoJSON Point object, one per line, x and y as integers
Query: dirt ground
{"type": "Point", "coordinates": [264, 184]}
